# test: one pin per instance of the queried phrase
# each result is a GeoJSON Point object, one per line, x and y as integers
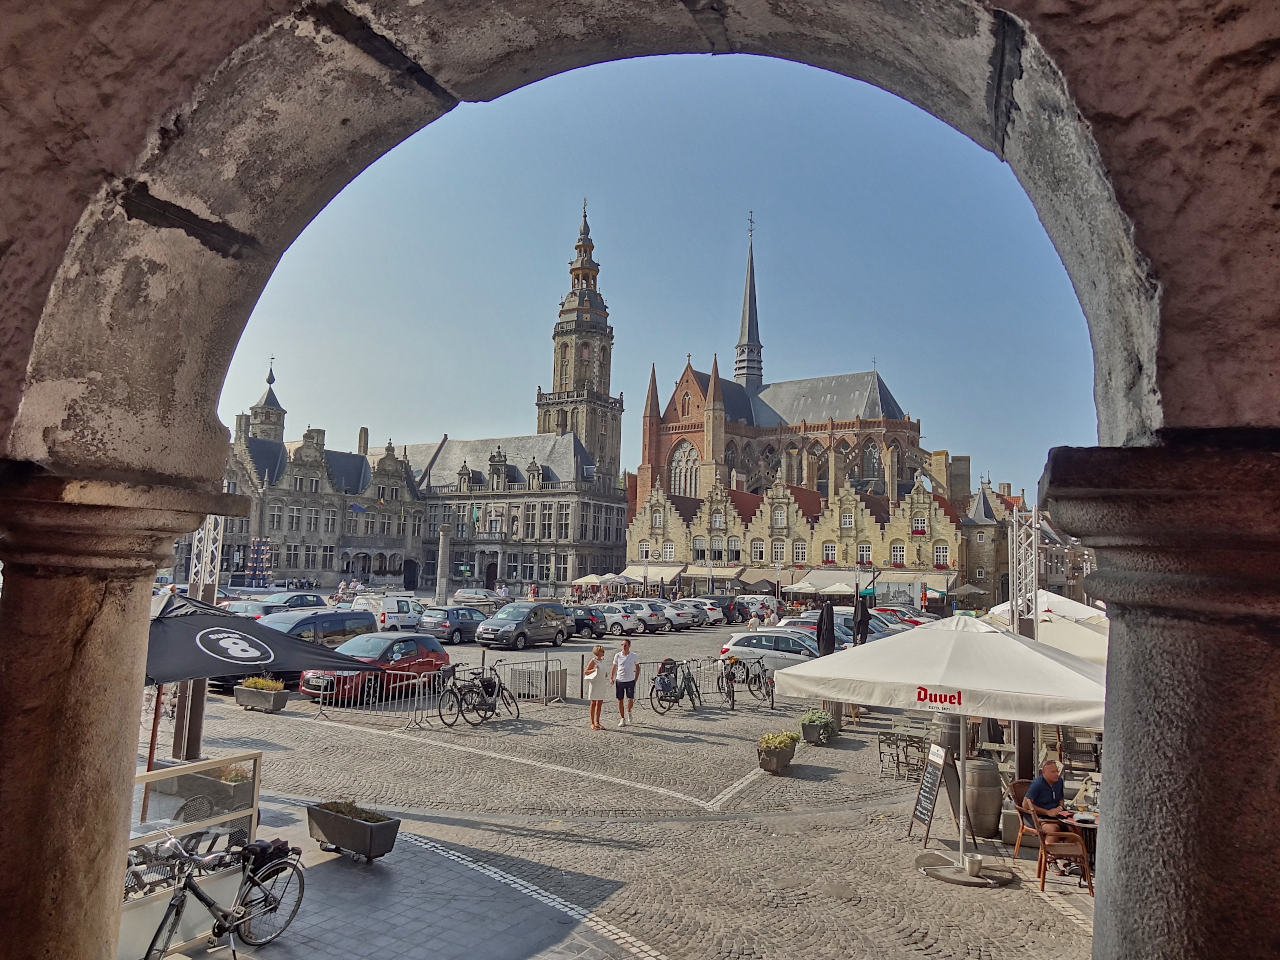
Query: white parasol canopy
{"type": "Point", "coordinates": [1054, 603]}
{"type": "Point", "coordinates": [1080, 637]}
{"type": "Point", "coordinates": [959, 665]}
{"type": "Point", "coordinates": [590, 580]}
{"type": "Point", "coordinates": [804, 586]}
{"type": "Point", "coordinates": [839, 589]}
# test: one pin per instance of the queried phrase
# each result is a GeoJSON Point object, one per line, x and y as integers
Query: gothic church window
{"type": "Point", "coordinates": [683, 470]}
{"type": "Point", "coordinates": [684, 405]}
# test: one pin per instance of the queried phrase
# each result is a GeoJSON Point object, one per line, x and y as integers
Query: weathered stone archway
{"type": "Point", "coordinates": [159, 159]}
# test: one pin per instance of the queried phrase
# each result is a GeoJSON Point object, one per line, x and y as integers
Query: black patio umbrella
{"type": "Point", "coordinates": [862, 620]}
{"type": "Point", "coordinates": [826, 630]}
{"type": "Point", "coordinates": [189, 640]}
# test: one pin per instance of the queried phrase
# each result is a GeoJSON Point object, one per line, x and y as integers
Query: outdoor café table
{"type": "Point", "coordinates": [1088, 832]}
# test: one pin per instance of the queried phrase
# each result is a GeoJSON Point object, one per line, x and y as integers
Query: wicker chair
{"type": "Point", "coordinates": [1059, 846]}
{"type": "Point", "coordinates": [1018, 793]}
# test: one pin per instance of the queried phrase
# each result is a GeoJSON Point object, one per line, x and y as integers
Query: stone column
{"type": "Point", "coordinates": [80, 557]}
{"type": "Point", "coordinates": [1187, 567]}
{"type": "Point", "coordinates": [444, 558]}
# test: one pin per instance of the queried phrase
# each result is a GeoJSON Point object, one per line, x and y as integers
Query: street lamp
{"type": "Point", "coordinates": [777, 580]}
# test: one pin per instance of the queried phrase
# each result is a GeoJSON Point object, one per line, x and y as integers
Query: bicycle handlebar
{"type": "Point", "coordinates": [174, 848]}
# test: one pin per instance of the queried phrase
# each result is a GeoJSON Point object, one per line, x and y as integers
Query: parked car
{"type": "Point", "coordinates": [677, 618]}
{"type": "Point", "coordinates": [330, 628]}
{"type": "Point", "coordinates": [393, 613]}
{"type": "Point", "coordinates": [715, 613]}
{"type": "Point", "coordinates": [761, 604]}
{"type": "Point", "coordinates": [468, 594]}
{"type": "Point", "coordinates": [450, 624]}
{"type": "Point", "coordinates": [252, 608]}
{"type": "Point", "coordinates": [524, 622]}
{"type": "Point", "coordinates": [618, 621]}
{"type": "Point", "coordinates": [700, 615]}
{"type": "Point", "coordinates": [779, 648]}
{"type": "Point", "coordinates": [296, 598]}
{"type": "Point", "coordinates": [844, 636]}
{"type": "Point", "coordinates": [901, 616]}
{"type": "Point", "coordinates": [910, 612]}
{"type": "Point", "coordinates": [727, 605]}
{"type": "Point", "coordinates": [584, 621]}
{"type": "Point", "coordinates": [407, 657]}
{"type": "Point", "coordinates": [650, 613]}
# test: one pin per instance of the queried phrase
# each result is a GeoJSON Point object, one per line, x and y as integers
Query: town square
{"type": "Point", "coordinates": [668, 479]}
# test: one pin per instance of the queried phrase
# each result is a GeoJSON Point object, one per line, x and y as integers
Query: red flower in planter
{"type": "Point", "coordinates": [941, 566]}
{"type": "Point", "coordinates": [898, 566]}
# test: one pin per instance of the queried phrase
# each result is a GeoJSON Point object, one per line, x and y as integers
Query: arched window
{"type": "Point", "coordinates": [871, 462]}
{"type": "Point", "coordinates": [642, 550]}
{"type": "Point", "coordinates": [668, 550]}
{"type": "Point", "coordinates": [779, 517]}
{"type": "Point", "coordinates": [757, 551]}
{"type": "Point", "coordinates": [684, 405]}
{"type": "Point", "coordinates": [730, 456]}
{"type": "Point", "coordinates": [683, 470]}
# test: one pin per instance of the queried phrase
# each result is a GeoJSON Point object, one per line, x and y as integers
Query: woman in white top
{"type": "Point", "coordinates": [597, 685]}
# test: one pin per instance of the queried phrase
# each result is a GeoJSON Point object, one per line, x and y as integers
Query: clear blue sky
{"type": "Point", "coordinates": [421, 301]}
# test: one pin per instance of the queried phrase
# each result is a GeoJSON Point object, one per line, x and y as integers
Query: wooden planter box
{"type": "Point", "coordinates": [776, 761]}
{"type": "Point", "coordinates": [269, 701]}
{"type": "Point", "coordinates": [368, 840]}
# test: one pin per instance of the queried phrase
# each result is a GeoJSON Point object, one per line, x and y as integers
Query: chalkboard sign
{"type": "Point", "coordinates": [927, 795]}
{"type": "Point", "coordinates": [939, 766]}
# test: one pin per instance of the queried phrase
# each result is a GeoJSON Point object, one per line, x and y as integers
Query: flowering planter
{"type": "Point", "coordinates": [347, 834]}
{"type": "Point", "coordinates": [269, 701]}
{"type": "Point", "coordinates": [898, 566]}
{"type": "Point", "coordinates": [818, 734]}
{"type": "Point", "coordinates": [777, 760]}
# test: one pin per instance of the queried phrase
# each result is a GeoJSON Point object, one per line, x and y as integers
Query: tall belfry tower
{"type": "Point", "coordinates": [266, 417]}
{"type": "Point", "coordinates": [748, 366]}
{"type": "Point", "coordinates": [582, 352]}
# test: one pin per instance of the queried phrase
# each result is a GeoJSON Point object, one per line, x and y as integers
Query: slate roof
{"type": "Point", "coordinates": [737, 402]}
{"type": "Point", "coordinates": [843, 397]}
{"type": "Point", "coordinates": [561, 457]}
{"type": "Point", "coordinates": [348, 472]}
{"type": "Point", "coordinates": [269, 458]}
{"type": "Point", "coordinates": [268, 399]}
{"type": "Point", "coordinates": [980, 512]}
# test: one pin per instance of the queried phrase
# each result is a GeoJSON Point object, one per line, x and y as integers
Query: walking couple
{"type": "Point", "coordinates": [622, 676]}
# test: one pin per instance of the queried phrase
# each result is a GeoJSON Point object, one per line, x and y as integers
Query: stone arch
{"type": "Point", "coordinates": [682, 470]}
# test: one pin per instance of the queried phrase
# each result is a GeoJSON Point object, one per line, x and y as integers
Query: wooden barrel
{"type": "Point", "coordinates": [984, 796]}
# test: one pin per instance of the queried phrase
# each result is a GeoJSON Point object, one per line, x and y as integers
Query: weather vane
{"type": "Point", "coordinates": [751, 224]}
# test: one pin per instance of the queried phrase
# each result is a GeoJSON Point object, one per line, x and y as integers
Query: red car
{"type": "Point", "coordinates": [404, 658]}
{"type": "Point", "coordinates": [897, 616]}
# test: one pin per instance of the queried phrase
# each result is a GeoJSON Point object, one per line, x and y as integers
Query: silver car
{"type": "Point", "coordinates": [616, 620]}
{"type": "Point", "coordinates": [779, 647]}
{"type": "Point", "coordinates": [700, 616]}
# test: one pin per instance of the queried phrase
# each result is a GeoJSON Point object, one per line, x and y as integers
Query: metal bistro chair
{"type": "Point", "coordinates": [1059, 846]}
{"type": "Point", "coordinates": [889, 753]}
{"type": "Point", "coordinates": [915, 753]}
{"type": "Point", "coordinates": [1018, 793]}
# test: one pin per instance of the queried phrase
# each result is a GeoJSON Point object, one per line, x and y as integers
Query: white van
{"type": "Point", "coordinates": [392, 613]}
{"type": "Point", "coordinates": [761, 604]}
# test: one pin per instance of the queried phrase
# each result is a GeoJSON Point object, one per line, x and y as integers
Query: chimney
{"type": "Point", "coordinates": [314, 436]}
{"type": "Point", "coordinates": [362, 445]}
{"type": "Point", "coordinates": [242, 427]}
{"type": "Point", "coordinates": [1006, 489]}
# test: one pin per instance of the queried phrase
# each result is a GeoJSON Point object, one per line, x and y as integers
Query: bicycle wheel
{"type": "Point", "coordinates": [473, 707]}
{"type": "Point", "coordinates": [449, 707]}
{"type": "Point", "coordinates": [725, 685]}
{"type": "Point", "coordinates": [660, 703]}
{"type": "Point", "coordinates": [271, 902]}
{"type": "Point", "coordinates": [168, 927]}
{"type": "Point", "coordinates": [756, 685]}
{"type": "Point", "coordinates": [510, 704]}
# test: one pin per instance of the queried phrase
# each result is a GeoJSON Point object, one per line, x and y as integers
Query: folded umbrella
{"type": "Point", "coordinates": [189, 640]}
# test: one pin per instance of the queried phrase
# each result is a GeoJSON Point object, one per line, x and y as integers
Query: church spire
{"type": "Point", "coordinates": [651, 408]}
{"type": "Point", "coordinates": [748, 369]}
{"type": "Point", "coordinates": [714, 394]}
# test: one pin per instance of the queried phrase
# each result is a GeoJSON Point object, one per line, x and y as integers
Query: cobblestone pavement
{"type": "Point", "coordinates": [667, 830]}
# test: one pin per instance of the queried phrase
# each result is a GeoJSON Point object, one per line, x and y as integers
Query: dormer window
{"type": "Point", "coordinates": [919, 525]}
{"type": "Point", "coordinates": [779, 517]}
{"type": "Point", "coordinates": [717, 521]}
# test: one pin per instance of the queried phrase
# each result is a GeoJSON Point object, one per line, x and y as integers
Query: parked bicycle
{"type": "Point", "coordinates": [266, 901]}
{"type": "Point", "coordinates": [673, 682]}
{"type": "Point", "coordinates": [727, 680]}
{"type": "Point", "coordinates": [476, 698]}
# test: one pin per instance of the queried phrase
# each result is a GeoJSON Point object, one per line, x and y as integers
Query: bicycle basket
{"type": "Point", "coordinates": [667, 668]}
{"type": "Point", "coordinates": [489, 685]}
{"type": "Point", "coordinates": [447, 673]}
{"type": "Point", "coordinates": [664, 683]}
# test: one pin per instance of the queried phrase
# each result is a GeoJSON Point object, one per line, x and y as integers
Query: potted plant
{"type": "Point", "coordinates": [775, 750]}
{"type": "Point", "coordinates": [817, 727]}
{"type": "Point", "coordinates": [341, 825]}
{"type": "Point", "coordinates": [261, 693]}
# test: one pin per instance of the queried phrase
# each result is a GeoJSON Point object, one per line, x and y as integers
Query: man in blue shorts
{"type": "Point", "coordinates": [623, 676]}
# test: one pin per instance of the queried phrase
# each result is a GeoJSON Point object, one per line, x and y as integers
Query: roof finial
{"type": "Point", "coordinates": [688, 358]}
{"type": "Point", "coordinates": [271, 373]}
{"type": "Point", "coordinates": [751, 224]}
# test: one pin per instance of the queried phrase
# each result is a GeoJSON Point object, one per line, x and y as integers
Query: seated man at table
{"type": "Point", "coordinates": [1044, 796]}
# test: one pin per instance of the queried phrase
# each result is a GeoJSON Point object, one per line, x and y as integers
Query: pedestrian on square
{"type": "Point", "coordinates": [623, 676]}
{"type": "Point", "coordinates": [596, 686]}
{"type": "Point", "coordinates": [754, 622]}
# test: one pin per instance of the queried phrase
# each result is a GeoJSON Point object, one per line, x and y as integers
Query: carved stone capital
{"type": "Point", "coordinates": [108, 525]}
{"type": "Point", "coordinates": [1190, 525]}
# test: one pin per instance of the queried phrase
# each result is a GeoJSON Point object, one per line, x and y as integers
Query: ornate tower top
{"type": "Point", "coordinates": [266, 417]}
{"type": "Point", "coordinates": [748, 368]}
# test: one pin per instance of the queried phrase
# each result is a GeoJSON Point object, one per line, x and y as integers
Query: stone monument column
{"type": "Point", "coordinates": [80, 558]}
{"type": "Point", "coordinates": [1187, 568]}
{"type": "Point", "coordinates": [443, 559]}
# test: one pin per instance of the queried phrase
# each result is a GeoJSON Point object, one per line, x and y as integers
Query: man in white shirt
{"type": "Point", "coordinates": [623, 677]}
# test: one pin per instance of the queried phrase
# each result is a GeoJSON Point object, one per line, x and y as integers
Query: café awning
{"type": "Point", "coordinates": [657, 571]}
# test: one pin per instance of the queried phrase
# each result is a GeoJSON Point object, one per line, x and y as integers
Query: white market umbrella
{"type": "Point", "coordinates": [804, 586]}
{"type": "Point", "coordinates": [839, 589]}
{"type": "Point", "coordinates": [1080, 637]}
{"type": "Point", "coordinates": [1054, 603]}
{"type": "Point", "coordinates": [623, 580]}
{"type": "Point", "coordinates": [590, 580]}
{"type": "Point", "coordinates": [963, 666]}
